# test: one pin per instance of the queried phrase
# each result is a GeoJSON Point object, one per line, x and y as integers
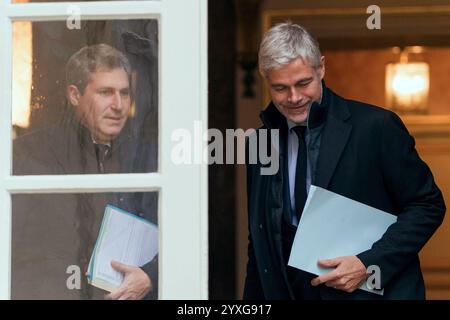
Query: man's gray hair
{"type": "Point", "coordinates": [285, 43]}
{"type": "Point", "coordinates": [92, 58]}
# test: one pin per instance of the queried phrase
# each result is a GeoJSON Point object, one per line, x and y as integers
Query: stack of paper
{"type": "Point", "coordinates": [123, 237]}
{"type": "Point", "coordinates": [333, 226]}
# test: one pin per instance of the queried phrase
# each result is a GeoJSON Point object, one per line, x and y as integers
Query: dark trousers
{"type": "Point", "coordinates": [299, 280]}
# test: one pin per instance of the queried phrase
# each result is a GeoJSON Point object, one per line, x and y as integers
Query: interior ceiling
{"type": "Point", "coordinates": [356, 43]}
{"type": "Point", "coordinates": [340, 28]}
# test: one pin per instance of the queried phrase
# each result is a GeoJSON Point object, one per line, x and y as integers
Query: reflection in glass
{"type": "Point", "coordinates": [87, 99]}
{"type": "Point", "coordinates": [53, 236]}
{"type": "Point", "coordinates": [22, 73]}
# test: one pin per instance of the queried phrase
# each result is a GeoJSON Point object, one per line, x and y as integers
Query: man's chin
{"type": "Point", "coordinates": [297, 118]}
{"type": "Point", "coordinates": [107, 137]}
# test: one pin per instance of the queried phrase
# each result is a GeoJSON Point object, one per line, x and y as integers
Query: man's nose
{"type": "Point", "coordinates": [294, 95]}
{"type": "Point", "coordinates": [116, 102]}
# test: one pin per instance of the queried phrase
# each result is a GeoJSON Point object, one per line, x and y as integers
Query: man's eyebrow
{"type": "Point", "coordinates": [305, 80]}
{"type": "Point", "coordinates": [298, 81]}
{"type": "Point", "coordinates": [112, 88]}
{"type": "Point", "coordinates": [277, 85]}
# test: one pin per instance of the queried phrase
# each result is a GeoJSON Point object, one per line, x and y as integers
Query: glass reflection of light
{"type": "Point", "coordinates": [407, 86]}
{"type": "Point", "coordinates": [22, 73]}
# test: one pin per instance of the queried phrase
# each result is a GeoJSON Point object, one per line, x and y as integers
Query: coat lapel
{"type": "Point", "coordinates": [335, 136]}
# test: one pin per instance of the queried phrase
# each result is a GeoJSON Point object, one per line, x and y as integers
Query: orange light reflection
{"type": "Point", "coordinates": [22, 73]}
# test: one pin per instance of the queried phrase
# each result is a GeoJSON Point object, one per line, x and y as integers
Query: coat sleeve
{"type": "Point", "coordinates": [151, 269]}
{"type": "Point", "coordinates": [149, 206]}
{"type": "Point", "coordinates": [419, 202]}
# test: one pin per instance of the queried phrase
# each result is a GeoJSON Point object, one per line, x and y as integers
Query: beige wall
{"type": "Point", "coordinates": [360, 75]}
{"type": "Point", "coordinates": [289, 4]}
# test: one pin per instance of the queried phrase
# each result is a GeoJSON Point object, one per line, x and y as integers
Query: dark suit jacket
{"type": "Point", "coordinates": [366, 154]}
{"type": "Point", "coordinates": [54, 231]}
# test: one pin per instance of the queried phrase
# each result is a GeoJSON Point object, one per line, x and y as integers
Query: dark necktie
{"type": "Point", "coordinates": [300, 171]}
{"type": "Point", "coordinates": [102, 151]}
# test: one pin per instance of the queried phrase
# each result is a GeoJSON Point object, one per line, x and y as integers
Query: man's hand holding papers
{"type": "Point", "coordinates": [348, 274]}
{"type": "Point", "coordinates": [136, 284]}
{"type": "Point", "coordinates": [334, 229]}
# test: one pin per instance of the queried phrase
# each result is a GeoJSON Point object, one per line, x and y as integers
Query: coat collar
{"type": "Point", "coordinates": [76, 130]}
{"type": "Point", "coordinates": [273, 119]}
{"type": "Point", "coordinates": [74, 149]}
{"type": "Point", "coordinates": [334, 138]}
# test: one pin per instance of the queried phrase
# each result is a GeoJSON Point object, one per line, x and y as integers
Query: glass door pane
{"type": "Point", "coordinates": [53, 238]}
{"type": "Point", "coordinates": [80, 93]}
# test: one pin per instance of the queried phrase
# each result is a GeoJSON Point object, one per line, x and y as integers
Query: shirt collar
{"type": "Point", "coordinates": [95, 142]}
{"type": "Point", "coordinates": [291, 124]}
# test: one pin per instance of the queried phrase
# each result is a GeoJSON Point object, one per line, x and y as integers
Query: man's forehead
{"type": "Point", "coordinates": [296, 70]}
{"type": "Point", "coordinates": [105, 75]}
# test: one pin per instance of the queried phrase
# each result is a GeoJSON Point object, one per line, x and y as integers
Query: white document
{"type": "Point", "coordinates": [332, 226]}
{"type": "Point", "coordinates": [125, 238]}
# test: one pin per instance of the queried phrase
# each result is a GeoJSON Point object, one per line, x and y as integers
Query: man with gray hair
{"type": "Point", "coordinates": [360, 151]}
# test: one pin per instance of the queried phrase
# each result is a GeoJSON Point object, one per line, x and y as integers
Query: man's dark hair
{"type": "Point", "coordinates": [92, 58]}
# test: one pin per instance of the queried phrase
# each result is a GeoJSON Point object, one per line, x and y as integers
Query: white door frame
{"type": "Point", "coordinates": [183, 189]}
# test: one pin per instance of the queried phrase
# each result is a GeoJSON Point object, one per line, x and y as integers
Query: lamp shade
{"type": "Point", "coordinates": [407, 86]}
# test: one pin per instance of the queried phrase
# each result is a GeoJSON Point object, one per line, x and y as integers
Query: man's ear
{"type": "Point", "coordinates": [322, 67]}
{"type": "Point", "coordinates": [74, 95]}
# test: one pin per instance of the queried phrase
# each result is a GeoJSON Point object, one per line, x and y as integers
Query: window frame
{"type": "Point", "coordinates": [183, 242]}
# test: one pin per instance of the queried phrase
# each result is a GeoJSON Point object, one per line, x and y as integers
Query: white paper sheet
{"type": "Point", "coordinates": [125, 238]}
{"type": "Point", "coordinates": [332, 226]}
